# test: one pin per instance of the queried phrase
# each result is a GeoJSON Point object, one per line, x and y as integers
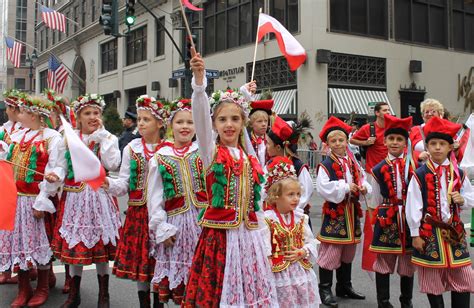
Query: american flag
{"type": "Point", "coordinates": [53, 19]}
{"type": "Point", "coordinates": [57, 74]}
{"type": "Point", "coordinates": [13, 51]}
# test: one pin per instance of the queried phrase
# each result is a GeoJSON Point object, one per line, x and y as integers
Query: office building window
{"type": "Point", "coordinates": [135, 93]}
{"type": "Point", "coordinates": [108, 53]}
{"type": "Point", "coordinates": [54, 38]}
{"type": "Point", "coordinates": [272, 73]}
{"type": "Point", "coordinates": [46, 38]}
{"type": "Point", "coordinates": [362, 17]}
{"type": "Point", "coordinates": [93, 10]}
{"type": "Point", "coordinates": [42, 40]}
{"type": "Point", "coordinates": [422, 21]}
{"type": "Point", "coordinates": [160, 38]}
{"type": "Point", "coordinates": [20, 26]}
{"type": "Point", "coordinates": [67, 23]}
{"type": "Point", "coordinates": [229, 24]}
{"type": "Point", "coordinates": [83, 13]}
{"type": "Point", "coordinates": [136, 46]}
{"type": "Point", "coordinates": [463, 25]}
{"type": "Point", "coordinates": [75, 17]}
{"type": "Point", "coordinates": [43, 79]}
{"type": "Point", "coordinates": [286, 12]}
{"type": "Point", "coordinates": [20, 84]}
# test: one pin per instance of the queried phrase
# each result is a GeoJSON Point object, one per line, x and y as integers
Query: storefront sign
{"type": "Point", "coordinates": [231, 73]}
{"type": "Point", "coordinates": [466, 89]}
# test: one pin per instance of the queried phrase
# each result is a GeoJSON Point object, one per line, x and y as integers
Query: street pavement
{"type": "Point", "coordinates": [124, 293]}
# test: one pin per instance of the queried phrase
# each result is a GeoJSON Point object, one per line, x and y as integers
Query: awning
{"type": "Point", "coordinates": [346, 101]}
{"type": "Point", "coordinates": [284, 101]}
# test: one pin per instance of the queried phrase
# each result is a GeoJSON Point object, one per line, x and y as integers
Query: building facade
{"type": "Point", "coordinates": [359, 52]}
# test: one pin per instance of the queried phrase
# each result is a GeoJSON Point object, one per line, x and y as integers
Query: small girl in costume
{"type": "Point", "coordinates": [230, 266]}
{"type": "Point", "coordinates": [133, 259]}
{"type": "Point", "coordinates": [176, 191]}
{"type": "Point", "coordinates": [293, 244]}
{"type": "Point", "coordinates": [90, 221]}
{"type": "Point", "coordinates": [37, 148]}
{"type": "Point", "coordinates": [340, 182]}
{"type": "Point", "coordinates": [11, 99]}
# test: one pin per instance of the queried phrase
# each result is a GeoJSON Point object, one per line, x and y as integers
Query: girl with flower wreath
{"type": "Point", "coordinates": [37, 172]}
{"type": "Point", "coordinates": [89, 220]}
{"type": "Point", "coordinates": [292, 241]}
{"type": "Point", "coordinates": [230, 266]}
{"type": "Point", "coordinates": [392, 241]}
{"type": "Point", "coordinates": [176, 191]}
{"type": "Point", "coordinates": [133, 259]}
{"type": "Point", "coordinates": [437, 194]}
{"type": "Point", "coordinates": [11, 99]}
{"type": "Point", "coordinates": [340, 183]}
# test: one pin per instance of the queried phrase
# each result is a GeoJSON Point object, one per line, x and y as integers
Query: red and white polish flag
{"type": "Point", "coordinates": [289, 46]}
{"type": "Point", "coordinates": [86, 166]}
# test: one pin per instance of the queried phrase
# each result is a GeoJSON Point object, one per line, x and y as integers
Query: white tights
{"type": "Point", "coordinates": [102, 269]}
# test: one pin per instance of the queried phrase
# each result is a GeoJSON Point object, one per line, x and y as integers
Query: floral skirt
{"type": "Point", "coordinates": [27, 245]}
{"type": "Point", "coordinates": [133, 259]}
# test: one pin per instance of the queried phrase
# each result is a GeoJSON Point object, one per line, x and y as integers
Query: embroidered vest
{"type": "Point", "coordinates": [342, 226]}
{"type": "Point", "coordinates": [439, 253]}
{"type": "Point", "coordinates": [137, 186]}
{"type": "Point", "coordinates": [69, 184]}
{"type": "Point", "coordinates": [391, 232]}
{"type": "Point", "coordinates": [282, 241]}
{"type": "Point", "coordinates": [183, 181]}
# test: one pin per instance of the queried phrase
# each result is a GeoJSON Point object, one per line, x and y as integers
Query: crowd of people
{"type": "Point", "coordinates": [218, 205]}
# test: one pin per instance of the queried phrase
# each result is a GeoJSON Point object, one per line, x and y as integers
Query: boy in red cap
{"type": "Point", "coordinates": [340, 182]}
{"type": "Point", "coordinates": [391, 240]}
{"type": "Point", "coordinates": [259, 120]}
{"type": "Point", "coordinates": [434, 201]}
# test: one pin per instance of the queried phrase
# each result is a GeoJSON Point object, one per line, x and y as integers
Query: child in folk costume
{"type": "Point", "coordinates": [258, 124]}
{"type": "Point", "coordinates": [133, 260]}
{"type": "Point", "coordinates": [34, 151]}
{"type": "Point", "coordinates": [90, 221]}
{"type": "Point", "coordinates": [436, 195]}
{"type": "Point", "coordinates": [392, 239]}
{"type": "Point", "coordinates": [292, 241]}
{"type": "Point", "coordinates": [230, 265]}
{"type": "Point", "coordinates": [11, 99]}
{"type": "Point", "coordinates": [177, 191]}
{"type": "Point", "coordinates": [340, 182]}
{"type": "Point", "coordinates": [282, 140]}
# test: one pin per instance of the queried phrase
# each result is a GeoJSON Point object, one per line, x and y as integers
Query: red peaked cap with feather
{"type": "Point", "coordinates": [333, 124]}
{"type": "Point", "coordinates": [441, 129]}
{"type": "Point", "coordinates": [394, 125]}
{"type": "Point", "coordinates": [283, 134]}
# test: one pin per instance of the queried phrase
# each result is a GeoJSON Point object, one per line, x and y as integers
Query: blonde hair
{"type": "Point", "coordinates": [275, 191]}
{"type": "Point", "coordinates": [432, 103]}
{"type": "Point", "coordinates": [334, 133]}
{"type": "Point", "coordinates": [257, 115]}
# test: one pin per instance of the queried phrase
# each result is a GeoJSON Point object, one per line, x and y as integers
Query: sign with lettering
{"type": "Point", "coordinates": [231, 73]}
{"type": "Point", "coordinates": [466, 89]}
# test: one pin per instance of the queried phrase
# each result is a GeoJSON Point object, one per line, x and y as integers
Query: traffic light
{"type": "Point", "coordinates": [130, 13]}
{"type": "Point", "coordinates": [108, 18]}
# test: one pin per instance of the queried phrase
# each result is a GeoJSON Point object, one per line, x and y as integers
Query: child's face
{"type": "Point", "coordinates": [89, 119]}
{"type": "Point", "coordinates": [337, 142]}
{"type": "Point", "coordinates": [260, 125]}
{"type": "Point", "coordinates": [395, 144]}
{"type": "Point", "coordinates": [147, 124]}
{"type": "Point", "coordinates": [27, 119]}
{"type": "Point", "coordinates": [290, 197]}
{"type": "Point", "coordinates": [272, 148]}
{"type": "Point", "coordinates": [12, 113]}
{"type": "Point", "coordinates": [439, 149]}
{"type": "Point", "coordinates": [183, 127]}
{"type": "Point", "coordinates": [228, 123]}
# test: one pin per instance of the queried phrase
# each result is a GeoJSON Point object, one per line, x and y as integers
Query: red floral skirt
{"type": "Point", "coordinates": [132, 260]}
{"type": "Point", "coordinates": [206, 275]}
{"type": "Point", "coordinates": [81, 255]}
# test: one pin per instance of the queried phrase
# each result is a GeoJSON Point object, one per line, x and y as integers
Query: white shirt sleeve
{"type": "Point", "coordinates": [310, 241]}
{"type": "Point", "coordinates": [157, 216]}
{"type": "Point", "coordinates": [307, 184]}
{"type": "Point", "coordinates": [119, 186]}
{"type": "Point", "coordinates": [109, 149]}
{"type": "Point", "coordinates": [414, 207]}
{"type": "Point", "coordinates": [467, 192]}
{"type": "Point", "coordinates": [332, 191]}
{"type": "Point", "coordinates": [375, 198]}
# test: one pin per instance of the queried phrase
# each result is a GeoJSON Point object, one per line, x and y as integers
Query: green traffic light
{"type": "Point", "coordinates": [130, 20]}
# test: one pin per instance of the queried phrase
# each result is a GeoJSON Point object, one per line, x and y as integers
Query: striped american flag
{"type": "Point", "coordinates": [57, 74]}
{"type": "Point", "coordinates": [53, 19]}
{"type": "Point", "coordinates": [13, 51]}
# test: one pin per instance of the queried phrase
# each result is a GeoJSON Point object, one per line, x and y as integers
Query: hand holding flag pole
{"type": "Point", "coordinates": [188, 29]}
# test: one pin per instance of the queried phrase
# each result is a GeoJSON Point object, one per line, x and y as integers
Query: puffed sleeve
{"type": "Point", "coordinates": [375, 198]}
{"type": "Point", "coordinates": [414, 207]}
{"type": "Point", "coordinates": [119, 186]}
{"type": "Point", "coordinates": [109, 149]}
{"type": "Point", "coordinates": [56, 161]}
{"type": "Point", "coordinates": [156, 205]}
{"type": "Point", "coordinates": [467, 192]}
{"type": "Point", "coordinates": [310, 241]}
{"type": "Point", "coordinates": [267, 237]}
{"type": "Point", "coordinates": [203, 122]}
{"type": "Point", "coordinates": [332, 191]}
{"type": "Point", "coordinates": [307, 183]}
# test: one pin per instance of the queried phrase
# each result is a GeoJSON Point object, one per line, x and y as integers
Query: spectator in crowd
{"type": "Point", "coordinates": [131, 132]}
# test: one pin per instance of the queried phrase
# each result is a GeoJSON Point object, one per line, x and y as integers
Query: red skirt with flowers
{"type": "Point", "coordinates": [132, 260]}
{"type": "Point", "coordinates": [206, 275]}
{"type": "Point", "coordinates": [81, 255]}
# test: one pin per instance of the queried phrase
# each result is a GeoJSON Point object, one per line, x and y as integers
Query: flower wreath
{"type": "Point", "coordinates": [280, 168]}
{"type": "Point", "coordinates": [36, 105]}
{"type": "Point", "coordinates": [93, 100]}
{"type": "Point", "coordinates": [145, 102]}
{"type": "Point", "coordinates": [229, 96]}
{"type": "Point", "coordinates": [179, 104]}
{"type": "Point", "coordinates": [12, 97]}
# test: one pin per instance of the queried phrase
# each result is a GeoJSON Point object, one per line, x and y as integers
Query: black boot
{"type": "Point", "coordinates": [382, 282]}
{"type": "Point", "coordinates": [74, 296]}
{"type": "Point", "coordinates": [406, 290]}
{"type": "Point", "coordinates": [104, 298]}
{"type": "Point", "coordinates": [144, 298]}
{"type": "Point", "coordinates": [156, 301]}
{"type": "Point", "coordinates": [325, 284]}
{"type": "Point", "coordinates": [344, 285]}
{"type": "Point", "coordinates": [436, 301]}
{"type": "Point", "coordinates": [460, 300]}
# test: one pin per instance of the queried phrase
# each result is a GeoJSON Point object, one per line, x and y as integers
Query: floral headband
{"type": "Point", "coordinates": [89, 100]}
{"type": "Point", "coordinates": [36, 104]}
{"type": "Point", "coordinates": [181, 104]}
{"type": "Point", "coordinates": [156, 108]}
{"type": "Point", "coordinates": [279, 168]}
{"type": "Point", "coordinates": [229, 96]}
{"type": "Point", "coordinates": [12, 97]}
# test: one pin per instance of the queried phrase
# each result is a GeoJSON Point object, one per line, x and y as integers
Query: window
{"type": "Point", "coordinates": [363, 17]}
{"type": "Point", "coordinates": [108, 53]}
{"type": "Point", "coordinates": [83, 14]}
{"type": "Point", "coordinates": [43, 75]}
{"type": "Point", "coordinates": [46, 38]}
{"type": "Point", "coordinates": [20, 26]}
{"type": "Point", "coordinates": [422, 21]}
{"type": "Point", "coordinates": [42, 40]}
{"type": "Point", "coordinates": [20, 84]}
{"type": "Point", "coordinates": [229, 24]}
{"type": "Point", "coordinates": [272, 73]}
{"type": "Point", "coordinates": [160, 37]}
{"type": "Point", "coordinates": [136, 46]}
{"type": "Point", "coordinates": [463, 25]}
{"type": "Point", "coordinates": [67, 23]}
{"type": "Point", "coordinates": [133, 94]}
{"type": "Point", "coordinates": [53, 33]}
{"type": "Point", "coordinates": [286, 12]}
{"type": "Point", "coordinates": [75, 17]}
{"type": "Point", "coordinates": [93, 10]}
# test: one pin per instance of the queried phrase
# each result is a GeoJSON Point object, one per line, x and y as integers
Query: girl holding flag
{"type": "Point", "coordinates": [89, 221]}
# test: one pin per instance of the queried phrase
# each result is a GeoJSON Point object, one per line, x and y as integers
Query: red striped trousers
{"type": "Point", "coordinates": [385, 264]}
{"type": "Point", "coordinates": [439, 280]}
{"type": "Point", "coordinates": [330, 256]}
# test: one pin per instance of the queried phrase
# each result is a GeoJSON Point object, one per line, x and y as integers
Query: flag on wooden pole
{"type": "Point", "coordinates": [190, 6]}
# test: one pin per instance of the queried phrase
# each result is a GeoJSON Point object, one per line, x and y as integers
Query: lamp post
{"type": "Point", "coordinates": [30, 60]}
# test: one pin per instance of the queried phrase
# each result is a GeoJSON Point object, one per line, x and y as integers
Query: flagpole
{"type": "Point", "coordinates": [15, 39]}
{"type": "Point", "coordinates": [20, 166]}
{"type": "Point", "coordinates": [67, 67]}
{"type": "Point", "coordinates": [188, 29]}
{"type": "Point", "coordinates": [74, 22]}
{"type": "Point", "coordinates": [255, 49]}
